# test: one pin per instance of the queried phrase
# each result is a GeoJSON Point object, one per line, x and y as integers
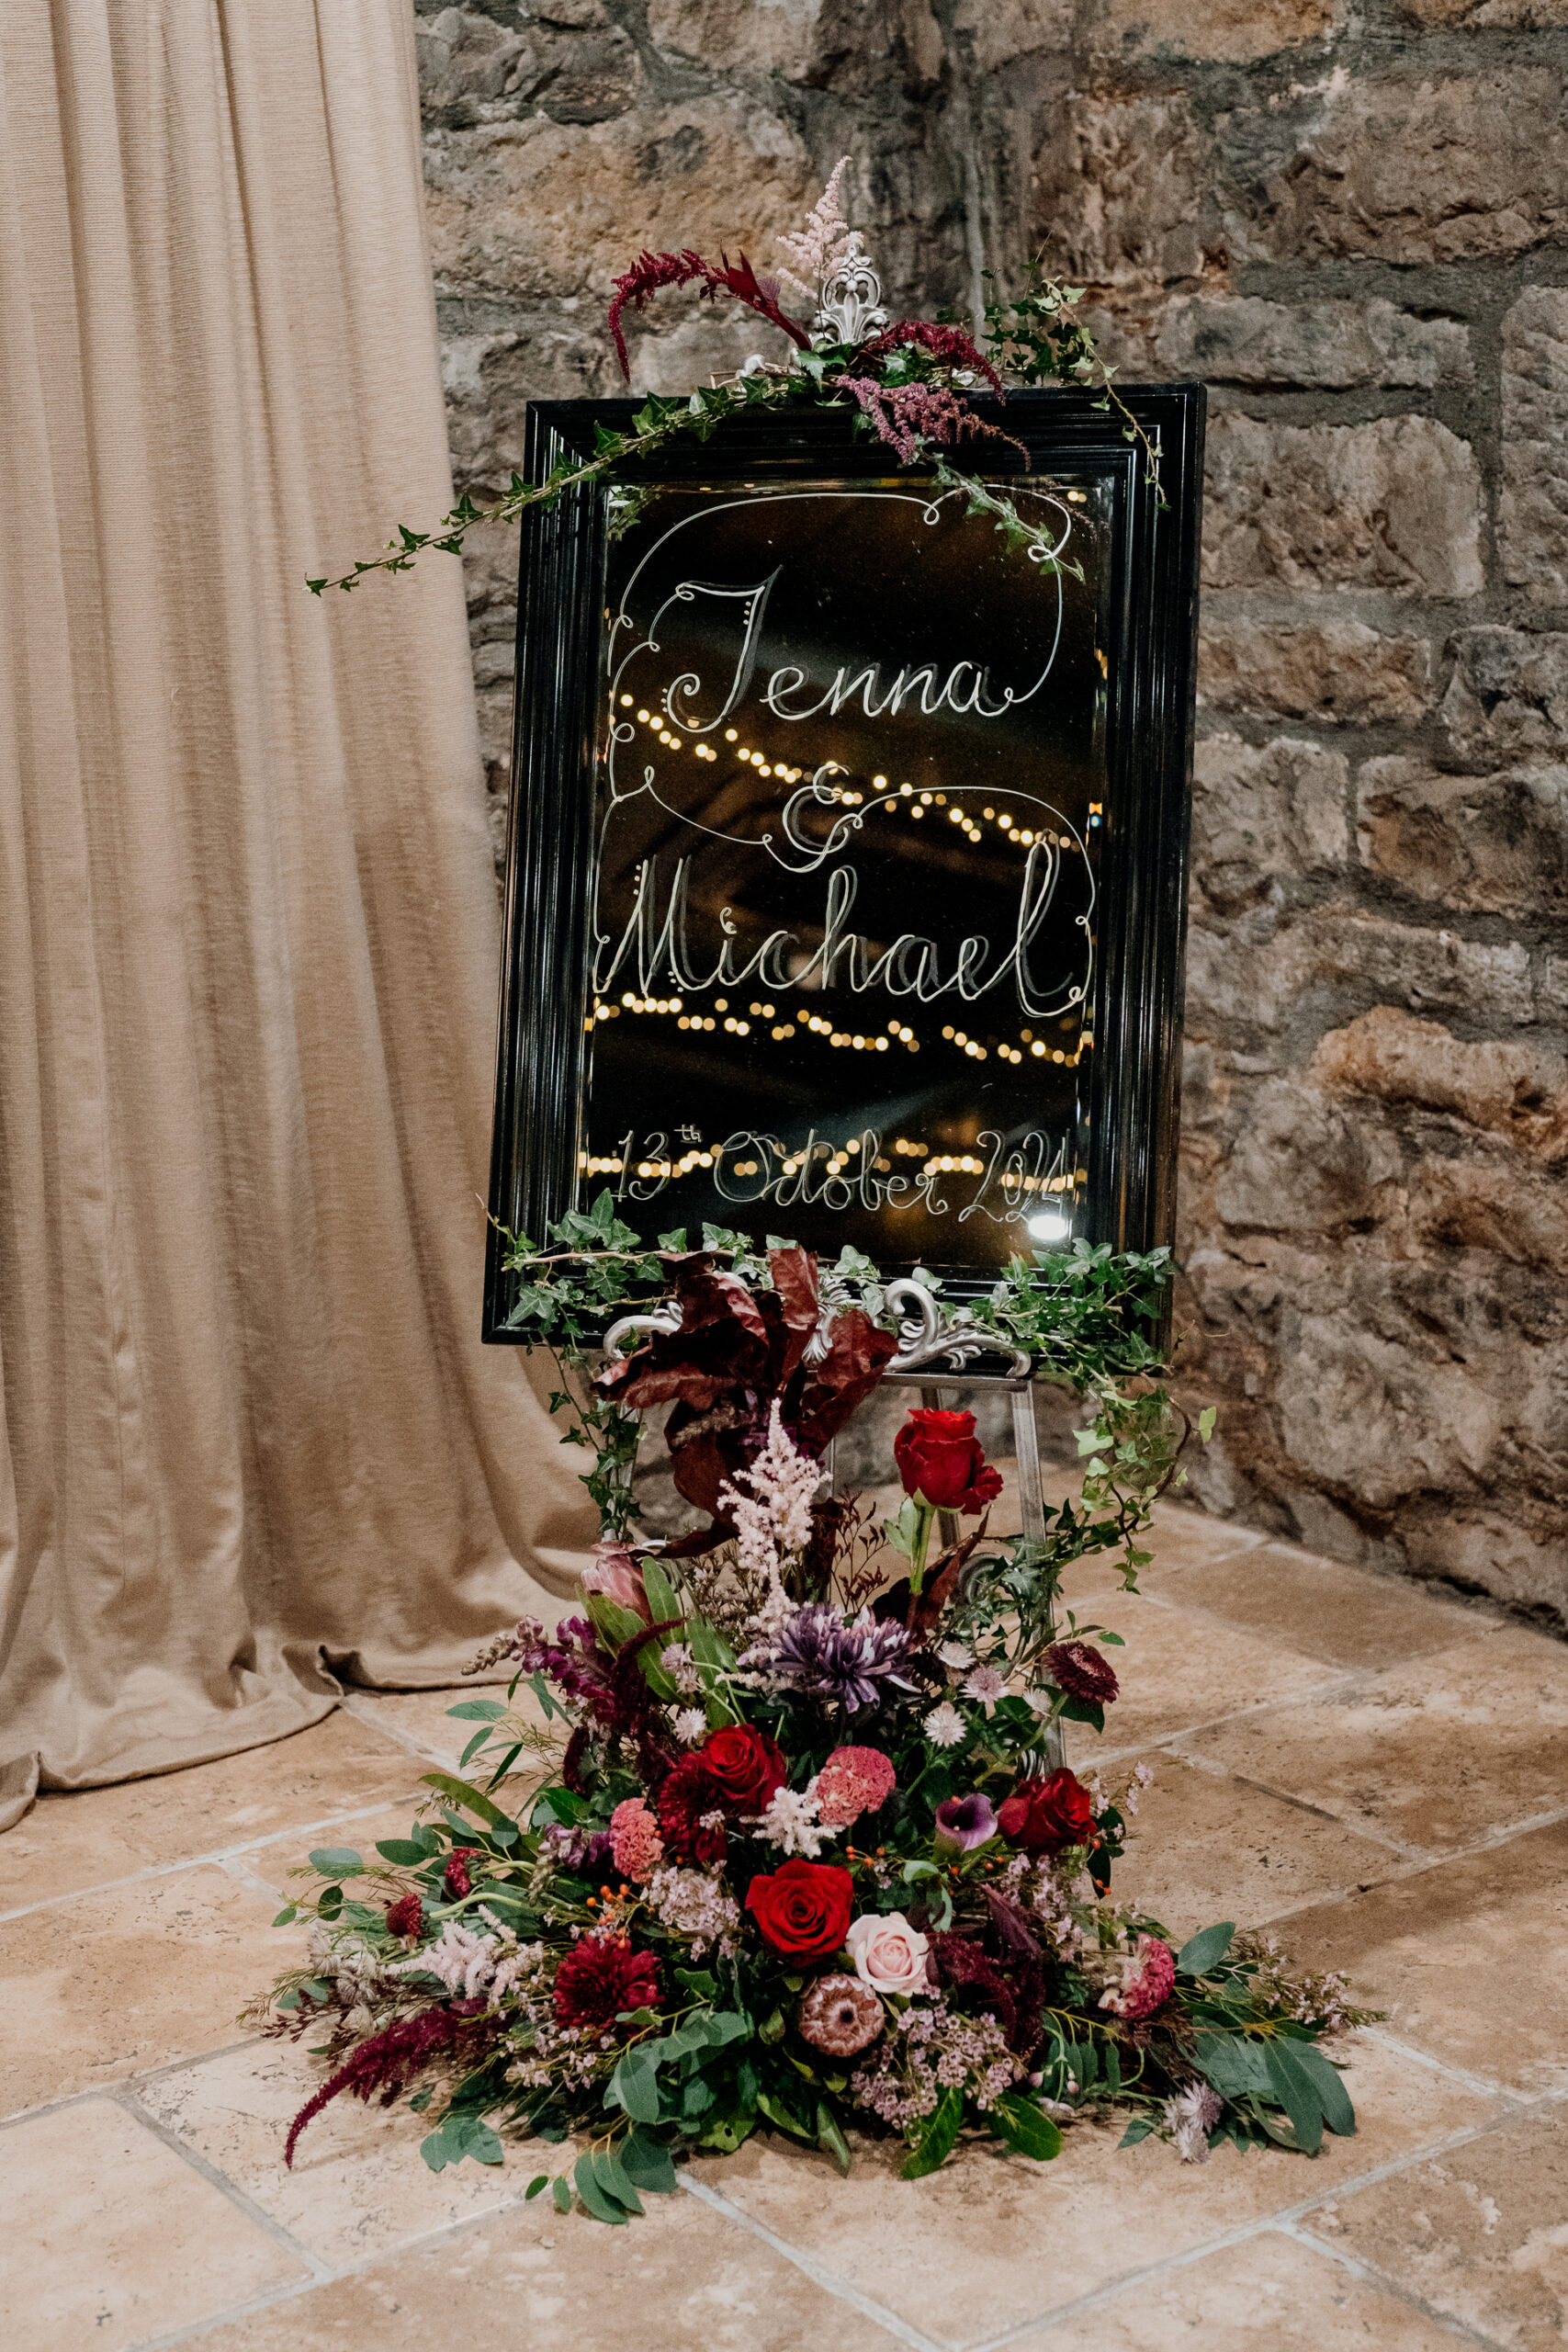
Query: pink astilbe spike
{"type": "Point", "coordinates": [825, 243]}
{"type": "Point", "coordinates": [910, 416]}
{"type": "Point", "coordinates": [650, 271]}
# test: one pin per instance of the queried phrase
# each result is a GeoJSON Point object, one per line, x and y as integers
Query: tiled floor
{"type": "Point", "coordinates": [1381, 1771]}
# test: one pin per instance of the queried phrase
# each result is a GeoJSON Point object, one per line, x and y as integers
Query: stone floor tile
{"type": "Point", "coordinates": [91, 1836]}
{"type": "Point", "coordinates": [1204, 1847]}
{"type": "Point", "coordinates": [111, 2238]}
{"type": "Point", "coordinates": [1480, 2234]}
{"type": "Point", "coordinates": [1184, 1537]}
{"type": "Point", "coordinates": [1469, 1957]}
{"type": "Point", "coordinates": [1268, 2288]}
{"type": "Point", "coordinates": [993, 2240]}
{"type": "Point", "coordinates": [1344, 1616]}
{"type": "Point", "coordinates": [419, 1718]}
{"type": "Point", "coordinates": [106, 1985]}
{"type": "Point", "coordinates": [684, 2278]}
{"type": "Point", "coordinates": [1178, 1671]}
{"type": "Point", "coordinates": [359, 2184]}
{"type": "Point", "coordinates": [1441, 1751]}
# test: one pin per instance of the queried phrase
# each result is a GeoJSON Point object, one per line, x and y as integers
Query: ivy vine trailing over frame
{"type": "Point", "coordinates": [909, 385]}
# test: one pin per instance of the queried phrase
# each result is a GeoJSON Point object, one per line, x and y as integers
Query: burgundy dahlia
{"type": "Point", "coordinates": [692, 1812]}
{"type": "Point", "coordinates": [1081, 1672]}
{"type": "Point", "coordinates": [600, 1976]}
{"type": "Point", "coordinates": [405, 1916]}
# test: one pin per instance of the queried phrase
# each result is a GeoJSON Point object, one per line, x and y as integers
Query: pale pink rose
{"type": "Point", "coordinates": [889, 1955]}
{"type": "Point", "coordinates": [617, 1574]}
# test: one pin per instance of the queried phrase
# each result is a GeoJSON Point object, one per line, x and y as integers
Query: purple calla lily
{"type": "Point", "coordinates": [963, 1823]}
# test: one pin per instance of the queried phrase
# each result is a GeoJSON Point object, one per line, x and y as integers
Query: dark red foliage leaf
{"type": "Point", "coordinates": [735, 1351]}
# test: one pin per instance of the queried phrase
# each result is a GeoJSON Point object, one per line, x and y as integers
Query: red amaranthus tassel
{"type": "Point", "coordinates": [384, 2063]}
{"type": "Point", "coordinates": [650, 271]}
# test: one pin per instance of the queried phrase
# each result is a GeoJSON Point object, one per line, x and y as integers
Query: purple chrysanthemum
{"type": "Point", "coordinates": [816, 1653]}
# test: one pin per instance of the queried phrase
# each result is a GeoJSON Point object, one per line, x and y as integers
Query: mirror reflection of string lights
{"type": "Point", "coordinates": [900, 798]}
{"type": "Point", "coordinates": [813, 1024]}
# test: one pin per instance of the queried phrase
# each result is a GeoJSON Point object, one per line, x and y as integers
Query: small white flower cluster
{"type": "Point", "coordinates": [689, 1903]}
{"type": "Point", "coordinates": [789, 1821]}
{"type": "Point", "coordinates": [682, 1668]}
{"type": "Point", "coordinates": [360, 1977]}
{"type": "Point", "coordinates": [461, 1958]}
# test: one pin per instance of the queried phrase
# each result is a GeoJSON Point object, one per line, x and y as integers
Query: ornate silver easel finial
{"type": "Point", "coordinates": [850, 305]}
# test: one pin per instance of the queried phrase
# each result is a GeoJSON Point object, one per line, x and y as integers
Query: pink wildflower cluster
{"type": "Point", "coordinates": [853, 1781]}
{"type": "Point", "coordinates": [634, 1840]}
{"type": "Point", "coordinates": [933, 2049]}
{"type": "Point", "coordinates": [911, 416]}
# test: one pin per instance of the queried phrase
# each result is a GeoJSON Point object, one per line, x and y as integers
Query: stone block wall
{"type": "Point", "coordinates": [1352, 222]}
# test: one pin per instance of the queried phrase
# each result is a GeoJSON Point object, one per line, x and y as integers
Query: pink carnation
{"type": "Point", "coordinates": [1148, 1980]}
{"type": "Point", "coordinates": [853, 1781]}
{"type": "Point", "coordinates": [634, 1840]}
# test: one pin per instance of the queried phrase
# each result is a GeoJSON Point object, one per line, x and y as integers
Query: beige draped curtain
{"type": "Point", "coordinates": [249, 1441]}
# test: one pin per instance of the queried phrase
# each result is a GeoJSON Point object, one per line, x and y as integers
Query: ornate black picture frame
{"type": "Point", "coordinates": [1062, 826]}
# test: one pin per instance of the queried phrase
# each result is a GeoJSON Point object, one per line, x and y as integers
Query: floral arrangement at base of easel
{"type": "Point", "coordinates": [805, 1857]}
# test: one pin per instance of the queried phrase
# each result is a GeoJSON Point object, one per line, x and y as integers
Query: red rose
{"type": "Point", "coordinates": [744, 1765]}
{"type": "Point", "coordinates": [1044, 1816]}
{"type": "Point", "coordinates": [941, 1459]}
{"type": "Point", "coordinates": [802, 1910]}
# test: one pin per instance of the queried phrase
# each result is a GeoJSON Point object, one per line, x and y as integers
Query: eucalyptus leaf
{"type": "Point", "coordinates": [1206, 1949]}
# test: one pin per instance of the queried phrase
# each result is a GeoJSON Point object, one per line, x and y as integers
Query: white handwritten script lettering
{"type": "Point", "coordinates": [664, 925]}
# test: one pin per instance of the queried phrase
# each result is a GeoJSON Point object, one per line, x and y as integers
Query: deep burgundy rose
{"type": "Point", "coordinates": [457, 1882]}
{"type": "Point", "coordinates": [405, 1916]}
{"type": "Point", "coordinates": [744, 1765]}
{"type": "Point", "coordinates": [941, 1459]}
{"type": "Point", "coordinates": [599, 1977]}
{"type": "Point", "coordinates": [1044, 1816]}
{"type": "Point", "coordinates": [802, 1910]}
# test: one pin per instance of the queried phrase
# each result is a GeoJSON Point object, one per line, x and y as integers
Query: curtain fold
{"type": "Point", "coordinates": [249, 1439]}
